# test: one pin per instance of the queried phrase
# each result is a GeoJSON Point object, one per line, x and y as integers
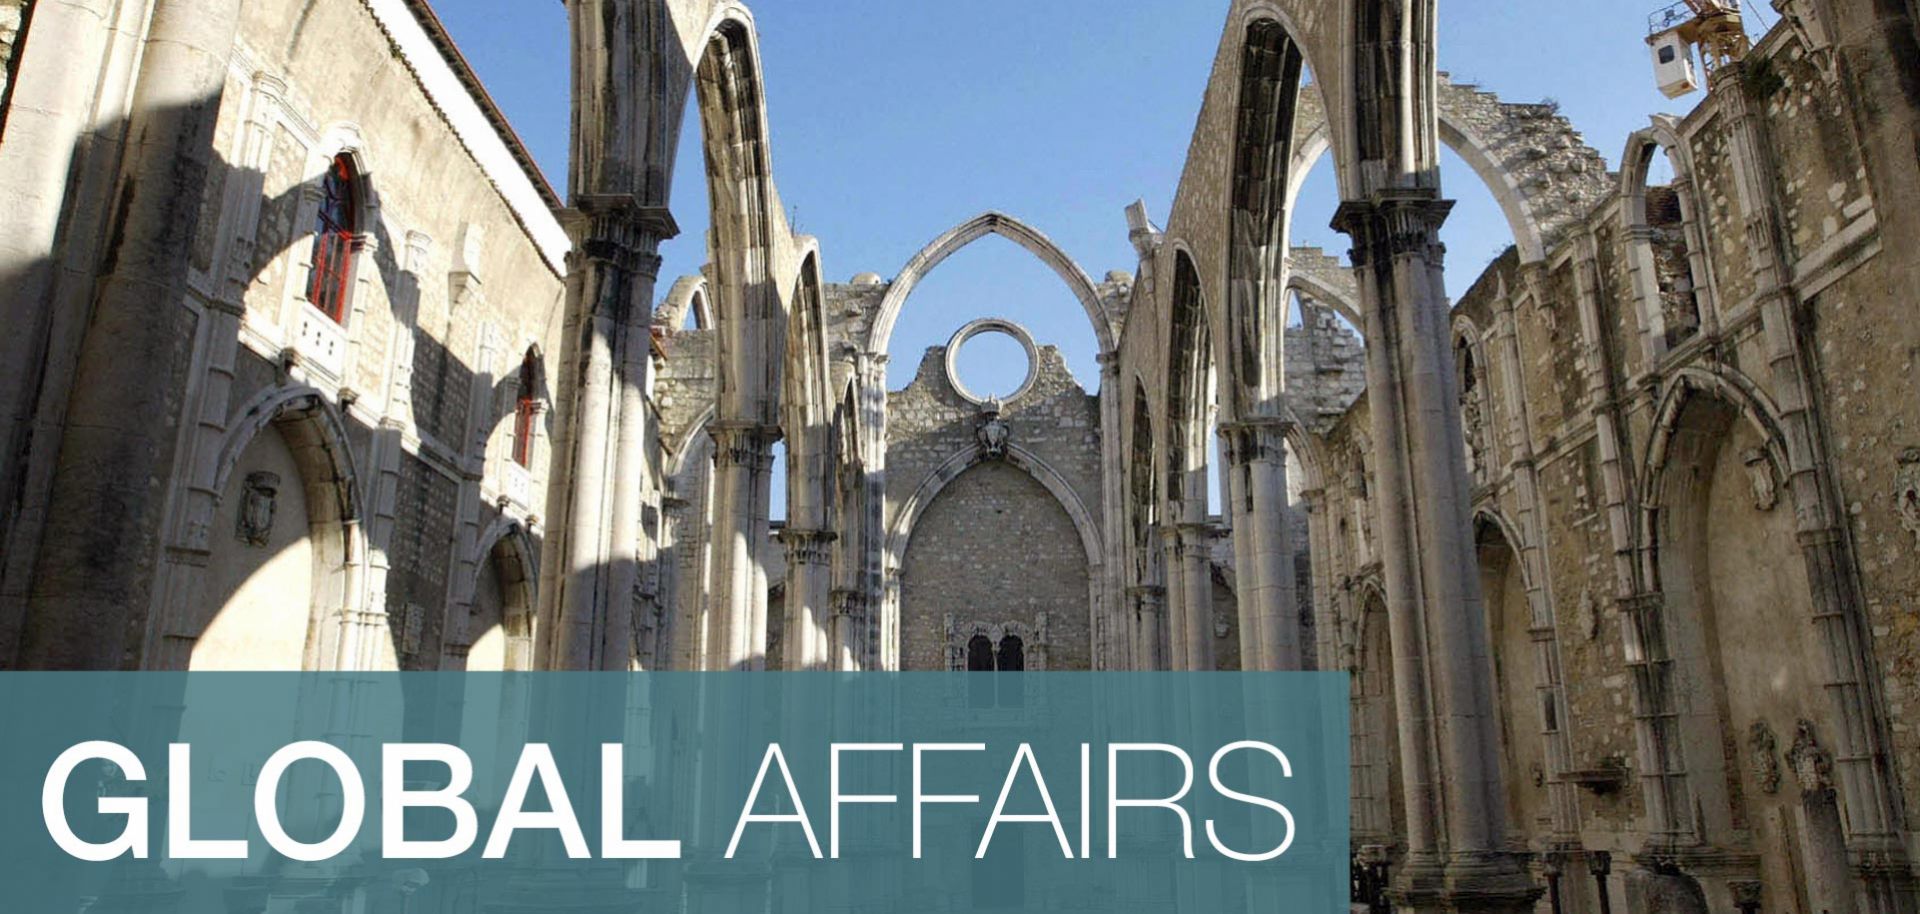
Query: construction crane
{"type": "Point", "coordinates": [1713, 27]}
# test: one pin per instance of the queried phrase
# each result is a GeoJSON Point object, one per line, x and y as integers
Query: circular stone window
{"type": "Point", "coordinates": [992, 359]}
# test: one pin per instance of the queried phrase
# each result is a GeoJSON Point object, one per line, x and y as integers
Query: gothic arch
{"type": "Point", "coordinates": [1542, 197]}
{"type": "Point", "coordinates": [1473, 376]}
{"type": "Point", "coordinates": [1719, 555]}
{"type": "Point", "coordinates": [315, 437]}
{"type": "Point", "coordinates": [687, 297]}
{"type": "Point", "coordinates": [1512, 620]}
{"type": "Point", "coordinates": [1662, 135]}
{"type": "Point", "coordinates": [1188, 389]}
{"type": "Point", "coordinates": [319, 437]}
{"type": "Point", "coordinates": [967, 458]}
{"type": "Point", "coordinates": [1689, 385]}
{"type": "Point", "coordinates": [505, 548]}
{"type": "Point", "coordinates": [1330, 285]}
{"type": "Point", "coordinates": [1272, 65]}
{"type": "Point", "coordinates": [966, 233]}
{"type": "Point", "coordinates": [807, 407]}
{"type": "Point", "coordinates": [901, 532]}
{"type": "Point", "coordinates": [745, 216]}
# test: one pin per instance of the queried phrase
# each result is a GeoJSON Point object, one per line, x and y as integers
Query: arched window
{"type": "Point", "coordinates": [526, 410]}
{"type": "Point", "coordinates": [1013, 655]}
{"type": "Point", "coordinates": [335, 238]}
{"type": "Point", "coordinates": [980, 660]}
{"type": "Point", "coordinates": [1013, 659]}
{"type": "Point", "coordinates": [980, 655]}
{"type": "Point", "coordinates": [1473, 420]}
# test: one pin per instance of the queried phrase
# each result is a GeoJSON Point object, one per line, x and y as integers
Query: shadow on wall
{"type": "Point", "coordinates": [281, 489]}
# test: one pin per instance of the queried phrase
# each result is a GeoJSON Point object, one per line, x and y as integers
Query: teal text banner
{"type": "Point", "coordinates": [720, 793]}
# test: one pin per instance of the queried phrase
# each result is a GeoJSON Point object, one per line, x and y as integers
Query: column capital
{"type": "Point", "coordinates": [743, 444]}
{"type": "Point", "coordinates": [618, 229]}
{"type": "Point", "coordinates": [1394, 222]}
{"type": "Point", "coordinates": [808, 547]}
{"type": "Point", "coordinates": [1194, 539]}
{"type": "Point", "coordinates": [1260, 439]}
{"type": "Point", "coordinates": [1147, 596]}
{"type": "Point", "coordinates": [849, 601]}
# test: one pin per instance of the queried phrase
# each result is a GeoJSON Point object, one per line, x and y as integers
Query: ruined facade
{"type": "Point", "coordinates": [1619, 548]}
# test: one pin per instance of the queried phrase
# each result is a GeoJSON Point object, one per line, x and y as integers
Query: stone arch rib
{"type": "Point", "coordinates": [966, 233]}
{"type": "Point", "coordinates": [901, 533]}
{"type": "Point", "coordinates": [1537, 166]}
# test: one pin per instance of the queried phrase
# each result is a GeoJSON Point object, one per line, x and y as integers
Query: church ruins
{"type": "Point", "coordinates": [1620, 548]}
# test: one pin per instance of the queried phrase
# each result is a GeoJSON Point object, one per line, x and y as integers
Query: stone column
{"type": "Point", "coordinates": [1112, 641]}
{"type": "Point", "coordinates": [1149, 626]}
{"type": "Point", "coordinates": [742, 487]}
{"type": "Point", "coordinates": [591, 559]}
{"type": "Point", "coordinates": [809, 598]}
{"type": "Point", "coordinates": [97, 557]}
{"type": "Point", "coordinates": [1175, 569]}
{"type": "Point", "coordinates": [1196, 579]}
{"type": "Point", "coordinates": [1263, 545]}
{"type": "Point", "coordinates": [1443, 664]}
{"type": "Point", "coordinates": [849, 621]}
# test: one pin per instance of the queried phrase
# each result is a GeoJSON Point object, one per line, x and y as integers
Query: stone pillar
{"type": "Point", "coordinates": [1263, 545]}
{"type": "Point", "coordinates": [1175, 569]}
{"type": "Point", "coordinates": [1113, 640]}
{"type": "Point", "coordinates": [1196, 579]}
{"type": "Point", "coordinates": [742, 487]}
{"type": "Point", "coordinates": [591, 557]}
{"type": "Point", "coordinates": [849, 621]}
{"type": "Point", "coordinates": [1443, 664]}
{"type": "Point", "coordinates": [97, 557]}
{"type": "Point", "coordinates": [809, 607]}
{"type": "Point", "coordinates": [1149, 627]}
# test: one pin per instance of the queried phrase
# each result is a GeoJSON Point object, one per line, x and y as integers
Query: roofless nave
{"type": "Point", "coordinates": [1619, 547]}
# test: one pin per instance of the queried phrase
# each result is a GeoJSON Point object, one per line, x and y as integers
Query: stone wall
{"type": "Point", "coordinates": [1007, 549]}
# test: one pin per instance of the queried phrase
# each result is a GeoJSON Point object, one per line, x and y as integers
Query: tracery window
{"type": "Point", "coordinates": [984, 656]}
{"type": "Point", "coordinates": [335, 239]}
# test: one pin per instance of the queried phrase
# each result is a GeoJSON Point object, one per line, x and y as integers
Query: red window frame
{"type": "Point", "coordinates": [335, 239]}
{"type": "Point", "coordinates": [526, 412]}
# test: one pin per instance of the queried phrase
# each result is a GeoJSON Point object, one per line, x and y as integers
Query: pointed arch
{"type": "Point", "coordinates": [315, 438]}
{"type": "Point", "coordinates": [901, 532]}
{"type": "Point", "coordinates": [1540, 196]}
{"type": "Point", "coordinates": [505, 549]}
{"type": "Point", "coordinates": [1188, 389]}
{"type": "Point", "coordinates": [966, 233]}
{"type": "Point", "coordinates": [1670, 276]}
{"type": "Point", "coordinates": [1328, 291]}
{"type": "Point", "coordinates": [1691, 385]}
{"type": "Point", "coordinates": [747, 226]}
{"type": "Point", "coordinates": [1143, 490]}
{"type": "Point", "coordinates": [1272, 65]}
{"type": "Point", "coordinates": [806, 404]}
{"type": "Point", "coordinates": [687, 297]}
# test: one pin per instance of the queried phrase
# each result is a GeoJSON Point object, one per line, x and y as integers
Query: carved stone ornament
{"type": "Point", "coordinates": [257, 503]}
{"type": "Point", "coordinates": [1763, 754]}
{"type": "Point", "coordinates": [994, 433]}
{"type": "Point", "coordinates": [1906, 492]}
{"type": "Point", "coordinates": [1766, 493]}
{"type": "Point", "coordinates": [1812, 765]}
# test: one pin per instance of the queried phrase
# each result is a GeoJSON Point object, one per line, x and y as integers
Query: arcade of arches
{"type": "Point", "coordinates": [1619, 547]}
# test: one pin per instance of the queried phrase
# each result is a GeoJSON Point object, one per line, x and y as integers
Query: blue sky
{"type": "Point", "coordinates": [892, 121]}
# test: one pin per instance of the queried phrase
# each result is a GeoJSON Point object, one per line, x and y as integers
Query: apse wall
{"type": "Point", "coordinates": [989, 528]}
